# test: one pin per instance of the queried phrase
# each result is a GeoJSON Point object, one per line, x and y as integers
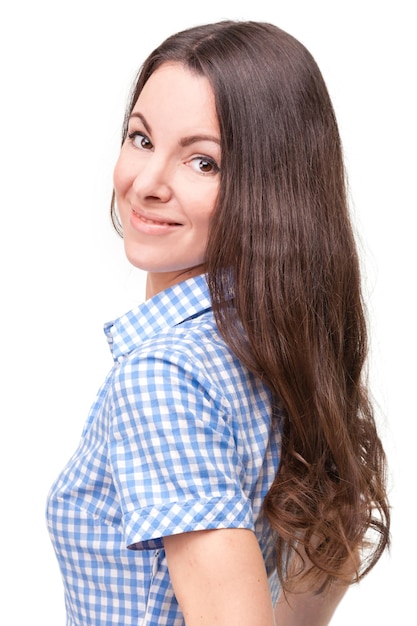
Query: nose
{"type": "Point", "coordinates": [153, 180]}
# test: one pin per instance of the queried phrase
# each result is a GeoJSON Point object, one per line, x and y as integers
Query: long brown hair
{"type": "Point", "coordinates": [281, 242]}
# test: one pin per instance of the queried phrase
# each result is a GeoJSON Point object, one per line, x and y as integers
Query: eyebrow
{"type": "Point", "coordinates": [184, 141]}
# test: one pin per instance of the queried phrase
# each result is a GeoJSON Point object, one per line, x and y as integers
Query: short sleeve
{"type": "Point", "coordinates": [173, 454]}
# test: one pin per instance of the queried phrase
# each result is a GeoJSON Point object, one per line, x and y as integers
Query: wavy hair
{"type": "Point", "coordinates": [282, 242]}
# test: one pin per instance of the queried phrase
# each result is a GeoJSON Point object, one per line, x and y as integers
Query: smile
{"type": "Point", "coordinates": [148, 220]}
{"type": "Point", "coordinates": [148, 226]}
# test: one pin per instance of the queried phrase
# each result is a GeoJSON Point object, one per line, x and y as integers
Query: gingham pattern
{"type": "Point", "coordinates": [178, 439]}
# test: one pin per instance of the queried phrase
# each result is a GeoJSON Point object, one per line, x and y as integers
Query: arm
{"type": "Point", "coordinates": [306, 607]}
{"type": "Point", "coordinates": [219, 578]}
{"type": "Point", "coordinates": [298, 609]}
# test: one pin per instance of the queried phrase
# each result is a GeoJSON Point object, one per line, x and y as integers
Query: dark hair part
{"type": "Point", "coordinates": [281, 240]}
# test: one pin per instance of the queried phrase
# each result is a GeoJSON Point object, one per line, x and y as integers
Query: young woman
{"type": "Point", "coordinates": [230, 471]}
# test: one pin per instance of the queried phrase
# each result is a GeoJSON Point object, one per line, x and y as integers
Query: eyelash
{"type": "Point", "coordinates": [209, 161]}
{"type": "Point", "coordinates": [137, 133]}
{"type": "Point", "coordinates": [199, 157]}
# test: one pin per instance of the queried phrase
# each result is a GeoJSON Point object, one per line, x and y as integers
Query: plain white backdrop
{"type": "Point", "coordinates": [66, 70]}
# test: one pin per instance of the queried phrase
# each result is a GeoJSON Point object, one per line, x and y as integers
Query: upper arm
{"type": "Point", "coordinates": [295, 609]}
{"type": "Point", "coordinates": [219, 577]}
{"type": "Point", "coordinates": [172, 452]}
{"type": "Point", "coordinates": [304, 606]}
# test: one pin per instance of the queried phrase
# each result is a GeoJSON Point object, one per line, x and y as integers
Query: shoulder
{"type": "Point", "coordinates": [194, 346]}
{"type": "Point", "coordinates": [191, 359]}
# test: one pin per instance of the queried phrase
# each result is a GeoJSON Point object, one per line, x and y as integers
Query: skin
{"type": "Point", "coordinates": [166, 182]}
{"type": "Point", "coordinates": [219, 578]}
{"type": "Point", "coordinates": [304, 608]}
{"type": "Point", "coordinates": [166, 179]}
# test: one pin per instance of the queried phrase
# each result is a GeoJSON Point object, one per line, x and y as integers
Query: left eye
{"type": "Point", "coordinates": [140, 140]}
{"type": "Point", "coordinates": [204, 165]}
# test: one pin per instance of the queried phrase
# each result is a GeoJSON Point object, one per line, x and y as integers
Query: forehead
{"type": "Point", "coordinates": [175, 91]}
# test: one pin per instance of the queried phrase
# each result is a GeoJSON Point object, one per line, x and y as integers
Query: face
{"type": "Point", "coordinates": [166, 179]}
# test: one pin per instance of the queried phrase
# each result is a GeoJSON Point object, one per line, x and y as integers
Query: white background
{"type": "Point", "coordinates": [66, 69]}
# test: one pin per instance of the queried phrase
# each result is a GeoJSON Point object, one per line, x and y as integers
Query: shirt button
{"type": "Point", "coordinates": [155, 563]}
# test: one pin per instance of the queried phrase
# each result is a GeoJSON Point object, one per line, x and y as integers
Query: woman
{"type": "Point", "coordinates": [230, 471]}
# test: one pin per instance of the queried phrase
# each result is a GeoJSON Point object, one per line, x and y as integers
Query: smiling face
{"type": "Point", "coordinates": [166, 179]}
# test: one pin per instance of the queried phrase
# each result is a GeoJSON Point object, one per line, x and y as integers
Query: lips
{"type": "Point", "coordinates": [151, 224]}
{"type": "Point", "coordinates": [158, 222]}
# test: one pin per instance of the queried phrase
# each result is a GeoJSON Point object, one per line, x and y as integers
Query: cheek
{"type": "Point", "coordinates": [203, 202]}
{"type": "Point", "coordinates": [202, 219]}
{"type": "Point", "coordinates": [120, 176]}
{"type": "Point", "coordinates": [210, 205]}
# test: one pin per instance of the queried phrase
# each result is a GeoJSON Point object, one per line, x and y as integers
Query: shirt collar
{"type": "Point", "coordinates": [165, 310]}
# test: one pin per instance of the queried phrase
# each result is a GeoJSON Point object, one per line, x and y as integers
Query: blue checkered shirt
{"type": "Point", "coordinates": [178, 439]}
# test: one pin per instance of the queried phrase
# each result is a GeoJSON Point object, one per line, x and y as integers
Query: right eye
{"type": "Point", "coordinates": [140, 140]}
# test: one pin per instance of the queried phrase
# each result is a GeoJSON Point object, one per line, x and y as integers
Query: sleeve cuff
{"type": "Point", "coordinates": [144, 529]}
